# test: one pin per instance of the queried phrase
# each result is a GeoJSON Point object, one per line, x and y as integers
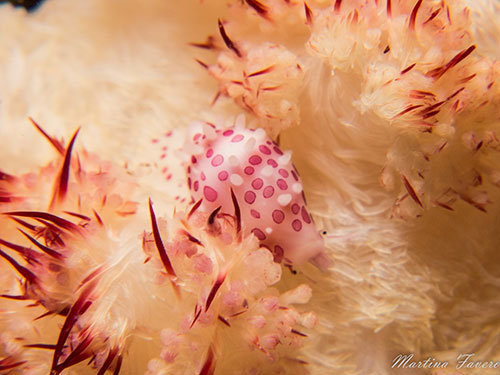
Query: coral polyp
{"type": "Point", "coordinates": [66, 260]}
{"type": "Point", "coordinates": [121, 251]}
{"type": "Point", "coordinates": [218, 286]}
{"type": "Point", "coordinates": [92, 271]}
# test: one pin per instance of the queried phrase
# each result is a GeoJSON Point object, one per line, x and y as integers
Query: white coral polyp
{"type": "Point", "coordinates": [265, 81]}
{"type": "Point", "coordinates": [224, 312]}
{"type": "Point", "coordinates": [73, 260]}
{"type": "Point", "coordinates": [413, 72]}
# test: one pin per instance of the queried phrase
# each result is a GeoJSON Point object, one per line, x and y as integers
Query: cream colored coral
{"type": "Point", "coordinates": [126, 72]}
{"type": "Point", "coordinates": [264, 80]}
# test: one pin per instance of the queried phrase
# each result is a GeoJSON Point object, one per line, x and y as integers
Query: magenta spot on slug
{"type": "Point", "coordinates": [272, 163]}
{"type": "Point", "coordinates": [227, 133]}
{"type": "Point", "coordinates": [237, 138]}
{"type": "Point", "coordinates": [278, 216]}
{"type": "Point", "coordinates": [193, 159]}
{"type": "Point", "coordinates": [209, 153]}
{"type": "Point", "coordinates": [277, 150]}
{"type": "Point", "coordinates": [295, 208]}
{"type": "Point", "coordinates": [255, 159]}
{"type": "Point", "coordinates": [283, 173]}
{"type": "Point", "coordinates": [196, 136]}
{"type": "Point", "coordinates": [203, 177]}
{"type": "Point", "coordinates": [210, 194]}
{"type": "Point", "coordinates": [268, 192]}
{"type": "Point", "coordinates": [297, 225]}
{"type": "Point", "coordinates": [259, 234]}
{"type": "Point", "coordinates": [257, 183]}
{"type": "Point", "coordinates": [250, 197]}
{"type": "Point", "coordinates": [255, 214]}
{"type": "Point", "coordinates": [282, 184]}
{"type": "Point", "coordinates": [189, 182]}
{"type": "Point", "coordinates": [264, 149]}
{"type": "Point", "coordinates": [217, 160]}
{"type": "Point", "coordinates": [189, 169]}
{"type": "Point", "coordinates": [249, 170]}
{"type": "Point", "coordinates": [305, 215]}
{"type": "Point", "coordinates": [278, 253]}
{"type": "Point", "coordinates": [223, 175]}
{"type": "Point", "coordinates": [195, 185]}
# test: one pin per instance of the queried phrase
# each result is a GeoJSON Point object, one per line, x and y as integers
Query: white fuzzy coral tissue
{"type": "Point", "coordinates": [249, 187]}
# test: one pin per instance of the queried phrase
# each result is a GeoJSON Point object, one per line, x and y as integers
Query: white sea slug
{"type": "Point", "coordinates": [247, 166]}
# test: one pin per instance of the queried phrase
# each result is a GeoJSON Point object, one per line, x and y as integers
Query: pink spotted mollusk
{"type": "Point", "coordinates": [265, 183]}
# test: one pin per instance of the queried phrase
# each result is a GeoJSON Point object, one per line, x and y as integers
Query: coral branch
{"type": "Point", "coordinates": [213, 215]}
{"type": "Point", "coordinates": [223, 320]}
{"type": "Point", "coordinates": [28, 254]}
{"type": "Point", "coordinates": [23, 271]}
{"type": "Point", "coordinates": [298, 333]}
{"type": "Point", "coordinates": [17, 298]}
{"type": "Point", "coordinates": [98, 218]}
{"type": "Point", "coordinates": [413, 16]}
{"type": "Point", "coordinates": [338, 3]}
{"type": "Point", "coordinates": [205, 65]}
{"type": "Point", "coordinates": [407, 69]}
{"type": "Point", "coordinates": [229, 42]}
{"type": "Point", "coordinates": [80, 216]}
{"type": "Point", "coordinates": [194, 208]}
{"type": "Point", "coordinates": [260, 8]}
{"type": "Point", "coordinates": [263, 71]}
{"type": "Point", "coordinates": [78, 308]}
{"type": "Point", "coordinates": [25, 224]}
{"type": "Point", "coordinates": [109, 359]}
{"type": "Point", "coordinates": [91, 276]}
{"type": "Point", "coordinates": [47, 250]}
{"type": "Point", "coordinates": [78, 355]}
{"type": "Point", "coordinates": [58, 221]}
{"type": "Point", "coordinates": [193, 238]}
{"type": "Point", "coordinates": [118, 365]}
{"type": "Point", "coordinates": [438, 72]}
{"type": "Point", "coordinates": [207, 368]}
{"type": "Point", "coordinates": [209, 44]}
{"type": "Point", "coordinates": [408, 109]}
{"type": "Point", "coordinates": [412, 192]}
{"type": "Point", "coordinates": [41, 346]}
{"type": "Point", "coordinates": [432, 16]}
{"type": "Point", "coordinates": [159, 243]}
{"type": "Point", "coordinates": [61, 187]}
{"type": "Point", "coordinates": [57, 145]}
{"type": "Point", "coordinates": [237, 211]}
{"type": "Point", "coordinates": [5, 365]}
{"type": "Point", "coordinates": [215, 288]}
{"type": "Point", "coordinates": [196, 315]}
{"type": "Point", "coordinates": [309, 14]}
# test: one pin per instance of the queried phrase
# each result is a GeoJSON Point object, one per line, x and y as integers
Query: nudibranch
{"type": "Point", "coordinates": [247, 163]}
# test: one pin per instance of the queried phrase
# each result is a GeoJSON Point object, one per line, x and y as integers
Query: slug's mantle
{"type": "Point", "coordinates": [265, 184]}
